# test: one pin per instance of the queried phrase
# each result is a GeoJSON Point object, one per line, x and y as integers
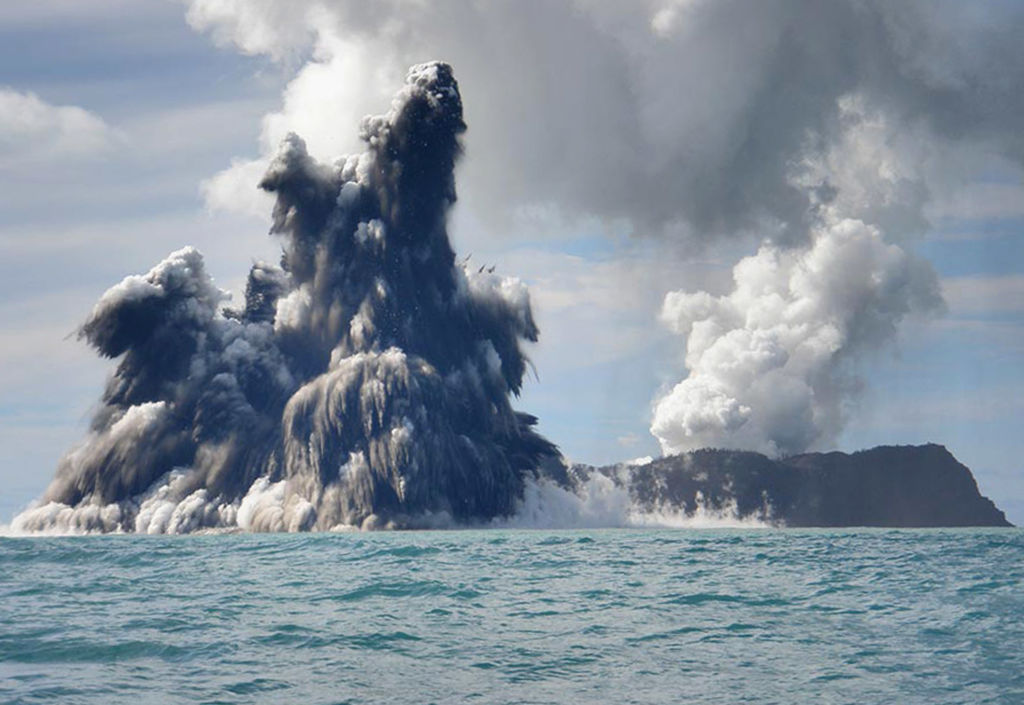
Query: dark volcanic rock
{"type": "Point", "coordinates": [885, 486]}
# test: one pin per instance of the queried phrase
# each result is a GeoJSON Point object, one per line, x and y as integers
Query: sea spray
{"type": "Point", "coordinates": [601, 502]}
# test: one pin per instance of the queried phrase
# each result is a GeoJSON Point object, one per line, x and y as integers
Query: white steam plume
{"type": "Point", "coordinates": [773, 366]}
{"type": "Point", "coordinates": [770, 364]}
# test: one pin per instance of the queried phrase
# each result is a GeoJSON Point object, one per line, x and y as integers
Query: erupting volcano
{"type": "Point", "coordinates": [366, 381]}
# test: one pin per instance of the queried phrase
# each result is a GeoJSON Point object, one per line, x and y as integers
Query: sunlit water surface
{"type": "Point", "coordinates": [613, 616]}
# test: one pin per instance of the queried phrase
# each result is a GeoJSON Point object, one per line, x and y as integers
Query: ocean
{"type": "Point", "coordinates": [516, 616]}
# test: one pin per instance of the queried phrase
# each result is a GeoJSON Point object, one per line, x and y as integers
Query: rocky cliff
{"type": "Point", "coordinates": [898, 486]}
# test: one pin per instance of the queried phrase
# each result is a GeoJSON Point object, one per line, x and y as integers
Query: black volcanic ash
{"type": "Point", "coordinates": [366, 381]}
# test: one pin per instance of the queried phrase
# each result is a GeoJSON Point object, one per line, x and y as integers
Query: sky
{"type": "Point", "coordinates": [833, 193]}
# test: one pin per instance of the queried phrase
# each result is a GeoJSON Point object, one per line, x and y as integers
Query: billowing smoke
{"type": "Point", "coordinates": [679, 116]}
{"type": "Point", "coordinates": [820, 129]}
{"type": "Point", "coordinates": [773, 365]}
{"type": "Point", "coordinates": [770, 363]}
{"type": "Point", "coordinates": [365, 382]}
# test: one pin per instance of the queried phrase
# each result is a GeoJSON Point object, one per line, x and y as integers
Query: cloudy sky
{"type": "Point", "coordinates": [780, 225]}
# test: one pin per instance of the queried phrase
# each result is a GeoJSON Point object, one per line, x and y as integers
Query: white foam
{"type": "Point", "coordinates": [603, 503]}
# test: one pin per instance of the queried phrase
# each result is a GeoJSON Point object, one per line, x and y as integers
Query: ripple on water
{"type": "Point", "coordinates": [645, 616]}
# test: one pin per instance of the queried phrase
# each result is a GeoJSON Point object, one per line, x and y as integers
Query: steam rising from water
{"type": "Point", "coordinates": [769, 362]}
{"type": "Point", "coordinates": [773, 364]}
{"type": "Point", "coordinates": [365, 382]}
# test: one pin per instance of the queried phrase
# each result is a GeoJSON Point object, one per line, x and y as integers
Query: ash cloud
{"type": "Point", "coordinates": [366, 381]}
{"type": "Point", "coordinates": [817, 132]}
{"type": "Point", "coordinates": [681, 117]}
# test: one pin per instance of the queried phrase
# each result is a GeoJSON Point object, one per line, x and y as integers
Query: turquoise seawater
{"type": "Point", "coordinates": [615, 616]}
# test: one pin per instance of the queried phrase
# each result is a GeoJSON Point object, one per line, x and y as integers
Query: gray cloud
{"type": "Point", "coordinates": [688, 126]}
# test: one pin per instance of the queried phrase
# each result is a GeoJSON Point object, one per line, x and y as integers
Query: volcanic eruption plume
{"type": "Point", "coordinates": [365, 382]}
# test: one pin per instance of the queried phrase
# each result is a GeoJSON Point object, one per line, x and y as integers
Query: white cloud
{"type": "Point", "coordinates": [667, 20]}
{"type": "Point", "coordinates": [324, 104]}
{"type": "Point", "coordinates": [256, 26]}
{"type": "Point", "coordinates": [768, 362]}
{"type": "Point", "coordinates": [32, 129]}
{"type": "Point", "coordinates": [235, 190]}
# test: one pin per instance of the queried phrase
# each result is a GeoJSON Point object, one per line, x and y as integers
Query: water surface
{"type": "Point", "coordinates": [616, 616]}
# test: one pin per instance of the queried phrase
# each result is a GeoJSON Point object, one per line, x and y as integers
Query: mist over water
{"type": "Point", "coordinates": [647, 616]}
